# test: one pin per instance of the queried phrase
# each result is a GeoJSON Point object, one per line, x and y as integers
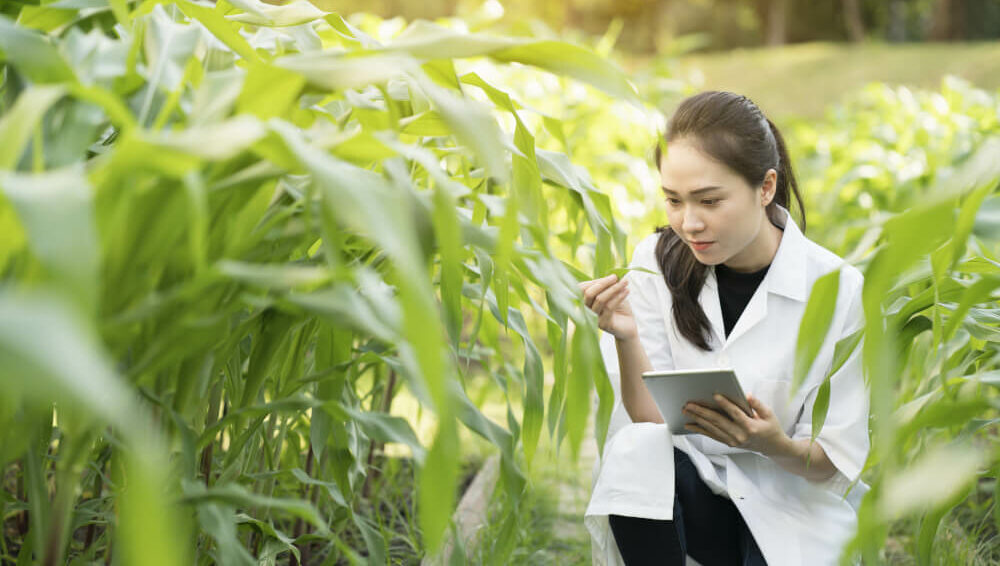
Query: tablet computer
{"type": "Point", "coordinates": [671, 390]}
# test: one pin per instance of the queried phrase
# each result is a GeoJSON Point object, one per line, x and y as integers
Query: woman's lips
{"type": "Point", "coordinates": [701, 246]}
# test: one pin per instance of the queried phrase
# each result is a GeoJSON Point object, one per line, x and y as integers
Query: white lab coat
{"type": "Point", "coordinates": [794, 521]}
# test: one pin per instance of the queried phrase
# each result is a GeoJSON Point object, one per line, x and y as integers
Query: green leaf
{"type": "Point", "coordinates": [374, 541]}
{"type": "Point", "coordinates": [226, 32]}
{"type": "Point", "coordinates": [436, 481]}
{"type": "Point", "coordinates": [269, 91]}
{"type": "Point", "coordinates": [820, 408]}
{"type": "Point", "coordinates": [534, 377]}
{"type": "Point", "coordinates": [974, 294]}
{"type": "Point", "coordinates": [57, 211]}
{"type": "Point", "coordinates": [215, 142]}
{"type": "Point", "coordinates": [19, 123]}
{"type": "Point", "coordinates": [275, 276]}
{"type": "Point", "coordinates": [268, 530]}
{"type": "Point", "coordinates": [471, 123]}
{"type": "Point", "coordinates": [32, 54]}
{"type": "Point", "coordinates": [574, 61]}
{"type": "Point", "coordinates": [259, 13]}
{"type": "Point", "coordinates": [428, 123]}
{"type": "Point", "coordinates": [382, 427]}
{"type": "Point", "coordinates": [815, 324]}
{"type": "Point", "coordinates": [334, 71]}
{"type": "Point", "coordinates": [49, 19]}
{"type": "Point", "coordinates": [32, 326]}
{"type": "Point", "coordinates": [449, 239]}
{"type": "Point", "coordinates": [585, 361]}
{"type": "Point", "coordinates": [334, 347]}
{"type": "Point", "coordinates": [331, 488]}
{"type": "Point", "coordinates": [939, 476]}
{"type": "Point", "coordinates": [151, 528]}
{"type": "Point", "coordinates": [429, 41]}
{"type": "Point", "coordinates": [168, 46]}
{"type": "Point", "coordinates": [343, 307]}
{"type": "Point", "coordinates": [622, 271]}
{"type": "Point", "coordinates": [238, 496]}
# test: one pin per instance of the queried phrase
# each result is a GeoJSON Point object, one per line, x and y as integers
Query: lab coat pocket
{"type": "Point", "coordinates": [776, 394]}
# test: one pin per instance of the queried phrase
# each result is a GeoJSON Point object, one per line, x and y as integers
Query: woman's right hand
{"type": "Point", "coordinates": [606, 297]}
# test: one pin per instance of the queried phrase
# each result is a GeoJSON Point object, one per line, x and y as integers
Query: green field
{"type": "Point", "coordinates": [803, 79]}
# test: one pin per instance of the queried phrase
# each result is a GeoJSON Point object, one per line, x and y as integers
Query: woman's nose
{"type": "Point", "coordinates": [692, 222]}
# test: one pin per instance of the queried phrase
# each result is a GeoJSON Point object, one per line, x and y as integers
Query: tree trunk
{"type": "Point", "coordinates": [948, 23]}
{"type": "Point", "coordinates": [774, 21]}
{"type": "Point", "coordinates": [855, 25]}
{"type": "Point", "coordinates": [958, 20]}
{"type": "Point", "coordinates": [896, 30]}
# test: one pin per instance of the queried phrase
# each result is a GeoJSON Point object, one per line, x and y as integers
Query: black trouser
{"type": "Point", "coordinates": [706, 526]}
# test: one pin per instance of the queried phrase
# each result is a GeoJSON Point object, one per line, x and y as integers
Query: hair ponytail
{"type": "Point", "coordinates": [731, 129]}
{"type": "Point", "coordinates": [787, 185]}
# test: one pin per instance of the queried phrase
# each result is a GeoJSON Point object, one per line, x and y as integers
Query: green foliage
{"type": "Point", "coordinates": [909, 205]}
{"type": "Point", "coordinates": [882, 151]}
{"type": "Point", "coordinates": [231, 233]}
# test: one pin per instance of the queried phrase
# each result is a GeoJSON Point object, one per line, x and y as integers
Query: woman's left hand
{"type": "Point", "coordinates": [760, 433]}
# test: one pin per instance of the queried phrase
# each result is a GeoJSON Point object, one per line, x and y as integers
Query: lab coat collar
{"type": "Point", "coordinates": [786, 277]}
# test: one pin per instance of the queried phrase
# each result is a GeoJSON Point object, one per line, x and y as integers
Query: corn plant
{"type": "Point", "coordinates": [232, 233]}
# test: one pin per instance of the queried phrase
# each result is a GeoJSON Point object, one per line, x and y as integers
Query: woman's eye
{"type": "Point", "coordinates": [673, 201]}
{"type": "Point", "coordinates": [711, 201]}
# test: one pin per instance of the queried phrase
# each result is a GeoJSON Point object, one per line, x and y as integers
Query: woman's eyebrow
{"type": "Point", "coordinates": [694, 192]}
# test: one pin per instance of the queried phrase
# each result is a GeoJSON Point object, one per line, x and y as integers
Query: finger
{"type": "Point", "coordinates": [613, 304]}
{"type": "Point", "coordinates": [610, 299]}
{"type": "Point", "coordinates": [598, 286]}
{"type": "Point", "coordinates": [589, 282]}
{"type": "Point", "coordinates": [697, 429]}
{"type": "Point", "coordinates": [599, 303]}
{"type": "Point", "coordinates": [757, 405]}
{"type": "Point", "coordinates": [732, 409]}
{"type": "Point", "coordinates": [714, 431]}
{"type": "Point", "coordinates": [719, 421]}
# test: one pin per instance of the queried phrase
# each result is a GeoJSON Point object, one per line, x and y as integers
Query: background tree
{"type": "Point", "coordinates": [855, 24]}
{"type": "Point", "coordinates": [773, 15]}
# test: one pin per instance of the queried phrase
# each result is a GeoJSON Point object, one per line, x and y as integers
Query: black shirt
{"type": "Point", "coordinates": [735, 290]}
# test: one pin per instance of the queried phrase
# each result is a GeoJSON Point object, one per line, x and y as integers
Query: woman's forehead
{"type": "Point", "coordinates": [685, 169]}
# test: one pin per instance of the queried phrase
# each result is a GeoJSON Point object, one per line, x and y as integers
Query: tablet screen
{"type": "Point", "coordinates": [671, 390]}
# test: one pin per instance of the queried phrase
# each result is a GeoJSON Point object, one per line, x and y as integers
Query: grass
{"type": "Point", "coordinates": [550, 528]}
{"type": "Point", "coordinates": [802, 80]}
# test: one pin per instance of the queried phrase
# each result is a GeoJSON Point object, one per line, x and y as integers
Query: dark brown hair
{"type": "Point", "coordinates": [731, 129]}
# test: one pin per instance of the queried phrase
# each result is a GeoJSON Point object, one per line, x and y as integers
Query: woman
{"type": "Point", "coordinates": [733, 275]}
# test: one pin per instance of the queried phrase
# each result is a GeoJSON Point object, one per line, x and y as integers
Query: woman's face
{"type": "Point", "coordinates": [714, 210]}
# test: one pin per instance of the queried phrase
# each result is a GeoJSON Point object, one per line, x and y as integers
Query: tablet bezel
{"type": "Point", "coordinates": [689, 386]}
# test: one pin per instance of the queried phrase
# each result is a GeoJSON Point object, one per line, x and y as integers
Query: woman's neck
{"type": "Point", "coordinates": [760, 252]}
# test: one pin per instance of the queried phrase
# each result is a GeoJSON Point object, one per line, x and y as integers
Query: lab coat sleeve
{"type": "Point", "coordinates": [649, 313]}
{"type": "Point", "coordinates": [844, 435]}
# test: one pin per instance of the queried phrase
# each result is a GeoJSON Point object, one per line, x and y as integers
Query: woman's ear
{"type": "Point", "coordinates": [769, 187]}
